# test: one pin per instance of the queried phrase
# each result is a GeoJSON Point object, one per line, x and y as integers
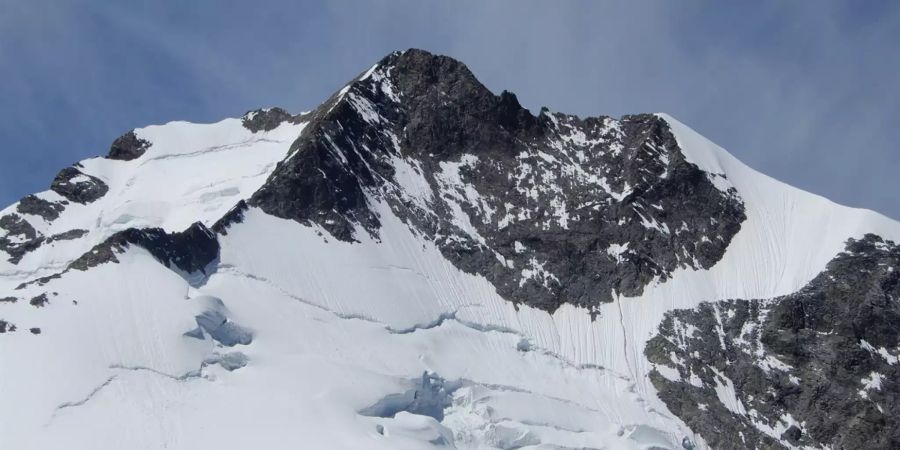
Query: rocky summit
{"type": "Point", "coordinates": [811, 368]}
{"type": "Point", "coordinates": [551, 209]}
{"type": "Point", "coordinates": [418, 262]}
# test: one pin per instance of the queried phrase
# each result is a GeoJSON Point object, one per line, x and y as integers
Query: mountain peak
{"type": "Point", "coordinates": [489, 176]}
{"type": "Point", "coordinates": [478, 275]}
{"type": "Point", "coordinates": [417, 72]}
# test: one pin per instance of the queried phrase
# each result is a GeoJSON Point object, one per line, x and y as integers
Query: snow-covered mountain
{"type": "Point", "coordinates": [420, 263]}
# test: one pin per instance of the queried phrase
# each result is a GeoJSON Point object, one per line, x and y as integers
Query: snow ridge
{"type": "Point", "coordinates": [413, 223]}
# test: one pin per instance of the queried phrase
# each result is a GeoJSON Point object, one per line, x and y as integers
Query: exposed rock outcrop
{"type": "Point", "coordinates": [266, 119]}
{"type": "Point", "coordinates": [816, 368]}
{"type": "Point", "coordinates": [128, 147]}
{"type": "Point", "coordinates": [190, 252]}
{"type": "Point", "coordinates": [551, 209]}
{"type": "Point", "coordinates": [77, 186]}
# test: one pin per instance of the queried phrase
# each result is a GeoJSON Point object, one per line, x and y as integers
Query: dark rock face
{"type": "Point", "coordinates": [35, 330]}
{"type": "Point", "coordinates": [128, 147]}
{"type": "Point", "coordinates": [77, 186]}
{"type": "Point", "coordinates": [265, 119]}
{"type": "Point", "coordinates": [551, 209]}
{"type": "Point", "coordinates": [20, 237]}
{"type": "Point", "coordinates": [825, 356]}
{"type": "Point", "coordinates": [67, 235]}
{"type": "Point", "coordinates": [31, 204]}
{"type": "Point", "coordinates": [15, 225]}
{"type": "Point", "coordinates": [233, 216]}
{"type": "Point", "coordinates": [39, 301]}
{"type": "Point", "coordinates": [8, 299]}
{"type": "Point", "coordinates": [191, 251]}
{"type": "Point", "coordinates": [6, 327]}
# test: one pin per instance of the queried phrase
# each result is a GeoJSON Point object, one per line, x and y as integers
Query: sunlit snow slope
{"type": "Point", "coordinates": [293, 338]}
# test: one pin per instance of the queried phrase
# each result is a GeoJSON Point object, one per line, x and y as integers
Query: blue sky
{"type": "Point", "coordinates": [807, 92]}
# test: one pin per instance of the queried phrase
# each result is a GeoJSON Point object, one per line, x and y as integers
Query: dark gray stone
{"type": "Point", "coordinates": [265, 119]}
{"type": "Point", "coordinates": [77, 186]}
{"type": "Point", "coordinates": [233, 216]}
{"type": "Point", "coordinates": [17, 226]}
{"type": "Point", "coordinates": [6, 327]}
{"type": "Point", "coordinates": [21, 237]}
{"type": "Point", "coordinates": [67, 235]}
{"type": "Point", "coordinates": [189, 252]}
{"type": "Point", "coordinates": [31, 204]}
{"type": "Point", "coordinates": [128, 147]}
{"type": "Point", "coordinates": [827, 337]}
{"type": "Point", "coordinates": [792, 435]}
{"type": "Point", "coordinates": [39, 301]}
{"type": "Point", "coordinates": [192, 250]}
{"type": "Point", "coordinates": [434, 112]}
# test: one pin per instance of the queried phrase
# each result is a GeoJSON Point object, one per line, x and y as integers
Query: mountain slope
{"type": "Point", "coordinates": [815, 367]}
{"type": "Point", "coordinates": [412, 224]}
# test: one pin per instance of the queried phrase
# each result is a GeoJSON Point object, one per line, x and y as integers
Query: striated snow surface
{"type": "Point", "coordinates": [336, 327]}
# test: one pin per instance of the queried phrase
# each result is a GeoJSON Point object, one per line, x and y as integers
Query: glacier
{"type": "Point", "coordinates": [338, 326]}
